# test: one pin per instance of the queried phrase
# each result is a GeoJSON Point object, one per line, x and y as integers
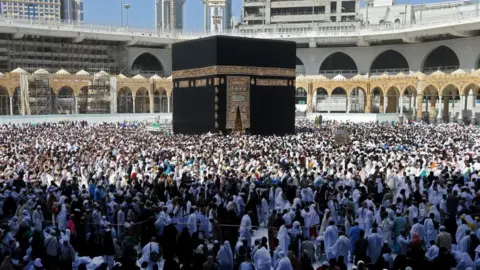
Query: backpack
{"type": "Point", "coordinates": [154, 256]}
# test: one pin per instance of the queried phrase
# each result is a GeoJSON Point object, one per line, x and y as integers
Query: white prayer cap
{"type": "Point", "coordinates": [38, 262]}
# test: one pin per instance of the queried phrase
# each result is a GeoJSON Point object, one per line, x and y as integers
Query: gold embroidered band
{"type": "Point", "coordinates": [233, 70]}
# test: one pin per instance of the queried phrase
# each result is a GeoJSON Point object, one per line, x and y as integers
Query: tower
{"type": "Point", "coordinates": [217, 15]}
{"type": "Point", "coordinates": [169, 14]}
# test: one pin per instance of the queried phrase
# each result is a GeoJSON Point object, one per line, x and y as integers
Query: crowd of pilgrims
{"type": "Point", "coordinates": [115, 196]}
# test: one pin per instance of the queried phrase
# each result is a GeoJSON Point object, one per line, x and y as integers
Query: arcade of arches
{"type": "Point", "coordinates": [76, 94]}
{"type": "Point", "coordinates": [439, 96]}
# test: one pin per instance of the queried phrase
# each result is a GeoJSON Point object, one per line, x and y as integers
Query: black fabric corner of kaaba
{"type": "Point", "coordinates": [272, 109]}
{"type": "Point", "coordinates": [194, 110]}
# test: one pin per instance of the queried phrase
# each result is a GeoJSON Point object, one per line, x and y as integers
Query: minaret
{"type": "Point", "coordinates": [214, 12]}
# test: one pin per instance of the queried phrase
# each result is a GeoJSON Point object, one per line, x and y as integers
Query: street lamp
{"type": "Point", "coordinates": [127, 7]}
{"type": "Point", "coordinates": [121, 13]}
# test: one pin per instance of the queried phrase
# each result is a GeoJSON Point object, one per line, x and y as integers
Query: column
{"type": "Point", "coordinates": [76, 105]}
{"type": "Point", "coordinates": [462, 104]}
{"type": "Point", "coordinates": [414, 111]}
{"type": "Point", "coordinates": [452, 118]}
{"type": "Point", "coordinates": [329, 103]}
{"type": "Point", "coordinates": [474, 101]}
{"type": "Point", "coordinates": [419, 107]}
{"type": "Point", "coordinates": [401, 106]}
{"type": "Point", "coordinates": [385, 104]}
{"type": "Point", "coordinates": [11, 105]}
{"type": "Point", "coordinates": [168, 104]}
{"type": "Point", "coordinates": [368, 104]}
{"type": "Point", "coordinates": [151, 105]}
{"type": "Point", "coordinates": [439, 110]}
{"type": "Point", "coordinates": [348, 104]}
{"type": "Point", "coordinates": [133, 96]}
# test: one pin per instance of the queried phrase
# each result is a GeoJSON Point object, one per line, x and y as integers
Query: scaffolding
{"type": "Point", "coordinates": [41, 99]}
{"type": "Point", "coordinates": [95, 99]}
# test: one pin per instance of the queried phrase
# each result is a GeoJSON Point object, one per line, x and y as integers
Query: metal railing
{"type": "Point", "coordinates": [314, 32]}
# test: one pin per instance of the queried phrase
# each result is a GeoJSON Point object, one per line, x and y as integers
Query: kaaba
{"type": "Point", "coordinates": [232, 84]}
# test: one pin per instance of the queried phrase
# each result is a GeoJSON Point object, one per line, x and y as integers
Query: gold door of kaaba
{"type": "Point", "coordinates": [238, 103]}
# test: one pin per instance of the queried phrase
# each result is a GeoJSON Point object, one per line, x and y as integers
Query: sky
{"type": "Point", "coordinates": [142, 13]}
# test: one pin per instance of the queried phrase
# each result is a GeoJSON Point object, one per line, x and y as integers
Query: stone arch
{"type": "Point", "coordinates": [124, 100]}
{"type": "Point", "coordinates": [142, 100]}
{"type": "Point", "coordinates": [440, 58]}
{"type": "Point", "coordinates": [451, 97]}
{"type": "Point", "coordinates": [409, 90]}
{"type": "Point", "coordinates": [160, 100]}
{"type": "Point", "coordinates": [338, 100]}
{"type": "Point", "coordinates": [65, 100]}
{"type": "Point", "coordinates": [377, 99]}
{"type": "Point", "coordinates": [429, 101]}
{"type": "Point", "coordinates": [471, 86]}
{"type": "Point", "coordinates": [300, 96]}
{"type": "Point", "coordinates": [393, 98]}
{"type": "Point", "coordinates": [430, 90]}
{"type": "Point", "coordinates": [409, 96]}
{"type": "Point", "coordinates": [147, 63]}
{"type": "Point", "coordinates": [358, 97]}
{"type": "Point", "coordinates": [338, 63]}
{"type": "Point", "coordinates": [300, 67]}
{"type": "Point", "coordinates": [4, 101]}
{"type": "Point", "coordinates": [320, 100]}
{"type": "Point", "coordinates": [389, 61]}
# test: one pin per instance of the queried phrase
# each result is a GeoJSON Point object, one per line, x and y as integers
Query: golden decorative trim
{"type": "Point", "coordinates": [252, 81]}
{"type": "Point", "coordinates": [233, 70]}
{"type": "Point", "coordinates": [238, 98]}
{"type": "Point", "coordinates": [216, 82]}
{"type": "Point", "coordinates": [201, 83]}
{"type": "Point", "coordinates": [272, 82]}
{"type": "Point", "coordinates": [183, 84]}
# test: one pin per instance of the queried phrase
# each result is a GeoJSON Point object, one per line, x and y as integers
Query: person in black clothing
{"type": "Point", "coordinates": [171, 264]}
{"type": "Point", "coordinates": [341, 263]}
{"type": "Point", "coordinates": [169, 246]}
{"type": "Point", "coordinates": [108, 249]}
{"type": "Point", "coordinates": [361, 248]}
{"type": "Point", "coordinates": [444, 260]}
{"type": "Point", "coordinates": [473, 245]}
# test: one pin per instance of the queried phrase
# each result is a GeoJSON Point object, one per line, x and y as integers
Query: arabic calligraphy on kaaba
{"type": "Point", "coordinates": [272, 82]}
{"type": "Point", "coordinates": [238, 98]}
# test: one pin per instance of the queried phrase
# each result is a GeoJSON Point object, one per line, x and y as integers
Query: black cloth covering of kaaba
{"type": "Point", "coordinates": [199, 110]}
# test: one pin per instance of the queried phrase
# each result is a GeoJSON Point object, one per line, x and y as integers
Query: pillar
{"type": "Point", "coordinates": [76, 105]}
{"type": "Point", "coordinates": [474, 100]}
{"type": "Point", "coordinates": [452, 118]}
{"type": "Point", "coordinates": [382, 104]}
{"type": "Point", "coordinates": [11, 105]}
{"type": "Point", "coordinates": [385, 104]}
{"type": "Point", "coordinates": [414, 111]}
{"type": "Point", "coordinates": [401, 106]}
{"type": "Point", "coordinates": [152, 100]}
{"type": "Point", "coordinates": [349, 104]}
{"type": "Point", "coordinates": [329, 103]}
{"type": "Point", "coordinates": [462, 104]}
{"type": "Point", "coordinates": [368, 104]}
{"type": "Point", "coordinates": [432, 109]}
{"type": "Point", "coordinates": [168, 104]}
{"type": "Point", "coordinates": [419, 107]}
{"type": "Point", "coordinates": [439, 110]}
{"type": "Point", "coordinates": [133, 96]}
{"type": "Point", "coordinates": [309, 98]}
